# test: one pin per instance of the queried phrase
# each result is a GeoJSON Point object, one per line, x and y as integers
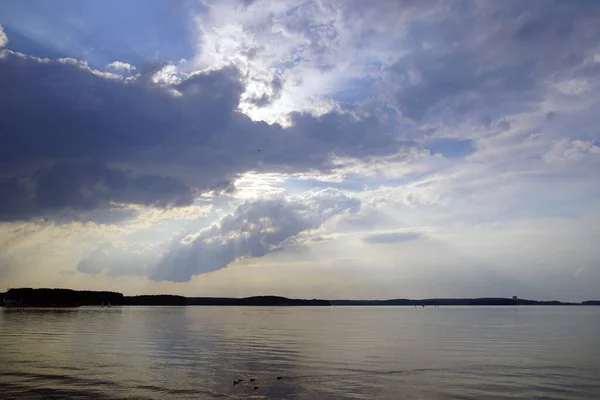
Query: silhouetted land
{"type": "Point", "coordinates": [254, 301]}
{"type": "Point", "coordinates": [155, 300]}
{"type": "Point", "coordinates": [60, 297]}
{"type": "Point", "coordinates": [28, 297]}
{"type": "Point", "coordinates": [483, 301]}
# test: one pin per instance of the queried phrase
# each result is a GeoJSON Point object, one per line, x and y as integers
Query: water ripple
{"type": "Point", "coordinates": [300, 353]}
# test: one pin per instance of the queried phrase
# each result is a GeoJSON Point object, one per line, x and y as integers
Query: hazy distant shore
{"type": "Point", "coordinates": [28, 297]}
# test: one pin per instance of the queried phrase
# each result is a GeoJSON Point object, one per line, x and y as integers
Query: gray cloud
{"type": "Point", "coordinates": [392, 237]}
{"type": "Point", "coordinates": [254, 229]}
{"type": "Point", "coordinates": [56, 112]}
{"type": "Point", "coordinates": [489, 57]}
{"type": "Point", "coordinates": [482, 59]}
{"type": "Point", "coordinates": [86, 186]}
{"type": "Point", "coordinates": [450, 147]}
{"type": "Point", "coordinates": [276, 88]}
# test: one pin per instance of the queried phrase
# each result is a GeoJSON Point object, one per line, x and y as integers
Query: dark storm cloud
{"type": "Point", "coordinates": [62, 109]}
{"type": "Point", "coordinates": [86, 186]}
{"type": "Point", "coordinates": [61, 112]}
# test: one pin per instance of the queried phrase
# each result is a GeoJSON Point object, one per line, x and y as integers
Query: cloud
{"type": "Point", "coordinates": [449, 116]}
{"type": "Point", "coordinates": [254, 229]}
{"type": "Point", "coordinates": [103, 117]}
{"type": "Point", "coordinates": [168, 122]}
{"type": "Point", "coordinates": [62, 112]}
{"type": "Point", "coordinates": [268, 96]}
{"type": "Point", "coordinates": [121, 66]}
{"type": "Point", "coordinates": [571, 150]}
{"type": "Point", "coordinates": [450, 147]}
{"type": "Point", "coordinates": [391, 237]}
{"type": "Point", "coordinates": [3, 38]}
{"type": "Point", "coordinates": [501, 59]}
{"type": "Point", "coordinates": [317, 49]}
{"type": "Point", "coordinates": [86, 186]}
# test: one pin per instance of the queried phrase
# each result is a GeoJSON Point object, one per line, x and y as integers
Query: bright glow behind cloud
{"type": "Point", "coordinates": [294, 56]}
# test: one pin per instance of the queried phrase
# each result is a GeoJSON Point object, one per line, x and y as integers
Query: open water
{"type": "Point", "coordinates": [318, 353]}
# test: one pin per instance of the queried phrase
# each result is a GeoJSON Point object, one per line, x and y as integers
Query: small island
{"type": "Point", "coordinates": [29, 297]}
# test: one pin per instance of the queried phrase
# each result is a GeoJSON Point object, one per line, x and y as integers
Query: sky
{"type": "Point", "coordinates": [331, 149]}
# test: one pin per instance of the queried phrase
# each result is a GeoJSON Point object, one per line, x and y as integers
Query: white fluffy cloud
{"type": "Point", "coordinates": [3, 38]}
{"type": "Point", "coordinates": [571, 150]}
{"type": "Point", "coordinates": [121, 66]}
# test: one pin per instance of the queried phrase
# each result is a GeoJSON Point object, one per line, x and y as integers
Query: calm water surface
{"type": "Point", "coordinates": [320, 353]}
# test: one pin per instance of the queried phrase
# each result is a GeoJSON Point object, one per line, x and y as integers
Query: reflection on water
{"type": "Point", "coordinates": [317, 352]}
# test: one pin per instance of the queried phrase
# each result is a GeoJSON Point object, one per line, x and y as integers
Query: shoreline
{"type": "Point", "coordinates": [64, 298]}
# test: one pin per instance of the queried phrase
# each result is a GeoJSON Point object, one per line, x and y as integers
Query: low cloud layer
{"type": "Point", "coordinates": [254, 229]}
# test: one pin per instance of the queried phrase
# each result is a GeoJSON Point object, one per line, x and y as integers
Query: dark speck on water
{"type": "Point", "coordinates": [320, 352]}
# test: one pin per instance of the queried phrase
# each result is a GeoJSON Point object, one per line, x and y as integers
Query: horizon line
{"type": "Point", "coordinates": [314, 298]}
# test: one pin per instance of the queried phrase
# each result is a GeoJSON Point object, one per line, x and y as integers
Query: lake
{"type": "Point", "coordinates": [319, 353]}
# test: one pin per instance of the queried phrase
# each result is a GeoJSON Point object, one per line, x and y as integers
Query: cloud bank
{"type": "Point", "coordinates": [181, 137]}
{"type": "Point", "coordinates": [254, 229]}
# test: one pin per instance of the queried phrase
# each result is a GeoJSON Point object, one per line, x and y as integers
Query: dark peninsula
{"type": "Point", "coordinates": [28, 297]}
